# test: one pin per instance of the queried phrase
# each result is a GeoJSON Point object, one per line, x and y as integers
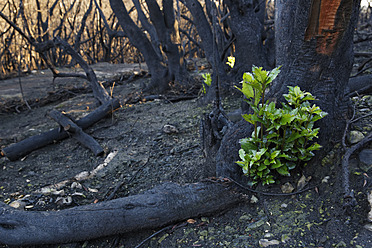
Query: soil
{"type": "Point", "coordinates": [146, 155]}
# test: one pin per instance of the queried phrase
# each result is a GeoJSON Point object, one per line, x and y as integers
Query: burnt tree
{"type": "Point", "coordinates": [165, 64]}
{"type": "Point", "coordinates": [315, 48]}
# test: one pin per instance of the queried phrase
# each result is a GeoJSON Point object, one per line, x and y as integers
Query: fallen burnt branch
{"type": "Point", "coordinates": [24, 147]}
{"type": "Point", "coordinates": [76, 132]}
{"type": "Point", "coordinates": [165, 204]}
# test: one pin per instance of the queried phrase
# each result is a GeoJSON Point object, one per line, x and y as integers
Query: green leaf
{"type": "Point", "coordinates": [270, 180]}
{"type": "Point", "coordinates": [273, 74]}
{"type": "Point", "coordinates": [248, 77]}
{"type": "Point", "coordinates": [313, 147]}
{"type": "Point", "coordinates": [248, 144]}
{"type": "Point", "coordinates": [274, 154]}
{"type": "Point", "coordinates": [276, 164]}
{"type": "Point", "coordinates": [283, 171]}
{"type": "Point", "coordinates": [259, 74]}
{"type": "Point", "coordinates": [251, 118]}
{"type": "Point", "coordinates": [207, 78]}
{"type": "Point", "coordinates": [261, 167]}
{"type": "Point", "coordinates": [242, 154]}
{"type": "Point", "coordinates": [240, 163]}
{"type": "Point", "coordinates": [293, 136]}
{"type": "Point", "coordinates": [286, 118]}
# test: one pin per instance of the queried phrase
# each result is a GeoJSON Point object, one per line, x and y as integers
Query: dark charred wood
{"type": "Point", "coordinates": [163, 205]}
{"type": "Point", "coordinates": [99, 92]}
{"type": "Point", "coordinates": [359, 85]}
{"type": "Point", "coordinates": [213, 128]}
{"type": "Point", "coordinates": [24, 147]}
{"type": "Point", "coordinates": [76, 132]}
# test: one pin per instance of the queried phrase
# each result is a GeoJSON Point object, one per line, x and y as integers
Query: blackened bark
{"type": "Point", "coordinates": [317, 57]}
{"type": "Point", "coordinates": [246, 23]}
{"type": "Point", "coordinates": [24, 147]}
{"type": "Point", "coordinates": [163, 205]}
{"type": "Point", "coordinates": [159, 73]}
{"type": "Point", "coordinates": [76, 132]}
{"type": "Point", "coordinates": [318, 61]}
{"type": "Point", "coordinates": [166, 27]}
{"type": "Point", "coordinates": [205, 32]}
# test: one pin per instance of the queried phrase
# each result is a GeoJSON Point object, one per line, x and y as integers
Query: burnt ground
{"type": "Point", "coordinates": [146, 156]}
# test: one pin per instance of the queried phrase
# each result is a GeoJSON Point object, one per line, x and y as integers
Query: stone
{"type": "Point", "coordinates": [266, 242]}
{"type": "Point", "coordinates": [368, 227]}
{"type": "Point", "coordinates": [355, 137]}
{"type": "Point", "coordinates": [287, 188]}
{"type": "Point", "coordinates": [245, 218]}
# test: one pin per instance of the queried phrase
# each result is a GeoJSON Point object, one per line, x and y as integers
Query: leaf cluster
{"type": "Point", "coordinates": [282, 137]}
{"type": "Point", "coordinates": [207, 81]}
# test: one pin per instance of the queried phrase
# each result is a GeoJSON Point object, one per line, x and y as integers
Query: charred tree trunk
{"type": "Point", "coordinates": [246, 23]}
{"type": "Point", "coordinates": [314, 46]}
{"type": "Point", "coordinates": [163, 205]}
{"type": "Point", "coordinates": [316, 53]}
{"type": "Point", "coordinates": [159, 73]}
{"type": "Point", "coordinates": [165, 64]}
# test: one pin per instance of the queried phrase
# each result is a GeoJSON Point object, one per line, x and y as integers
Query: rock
{"type": "Point", "coordinates": [365, 157]}
{"type": "Point", "coordinates": [169, 129]}
{"type": "Point", "coordinates": [256, 224]}
{"type": "Point", "coordinates": [368, 227]}
{"type": "Point", "coordinates": [302, 182]}
{"type": "Point", "coordinates": [245, 218]}
{"type": "Point", "coordinates": [325, 179]}
{"type": "Point", "coordinates": [254, 199]}
{"type": "Point", "coordinates": [287, 188]}
{"type": "Point", "coordinates": [355, 137]}
{"type": "Point", "coordinates": [18, 204]}
{"type": "Point", "coordinates": [266, 243]}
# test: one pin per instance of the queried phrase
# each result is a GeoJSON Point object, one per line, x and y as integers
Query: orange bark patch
{"type": "Point", "coordinates": [327, 23]}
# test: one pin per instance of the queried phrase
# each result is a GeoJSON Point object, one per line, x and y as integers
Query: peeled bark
{"type": "Point", "coordinates": [163, 205]}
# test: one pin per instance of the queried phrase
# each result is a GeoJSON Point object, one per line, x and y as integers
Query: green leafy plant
{"type": "Point", "coordinates": [208, 78]}
{"type": "Point", "coordinates": [207, 82]}
{"type": "Point", "coordinates": [282, 137]}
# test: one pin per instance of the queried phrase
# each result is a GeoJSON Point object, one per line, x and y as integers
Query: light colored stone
{"type": "Point", "coordinates": [287, 188]}
{"type": "Point", "coordinates": [355, 137]}
{"type": "Point", "coordinates": [266, 242]}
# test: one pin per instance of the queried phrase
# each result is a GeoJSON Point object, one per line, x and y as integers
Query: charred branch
{"type": "Point", "coordinates": [26, 146]}
{"type": "Point", "coordinates": [76, 132]}
{"type": "Point", "coordinates": [163, 205]}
